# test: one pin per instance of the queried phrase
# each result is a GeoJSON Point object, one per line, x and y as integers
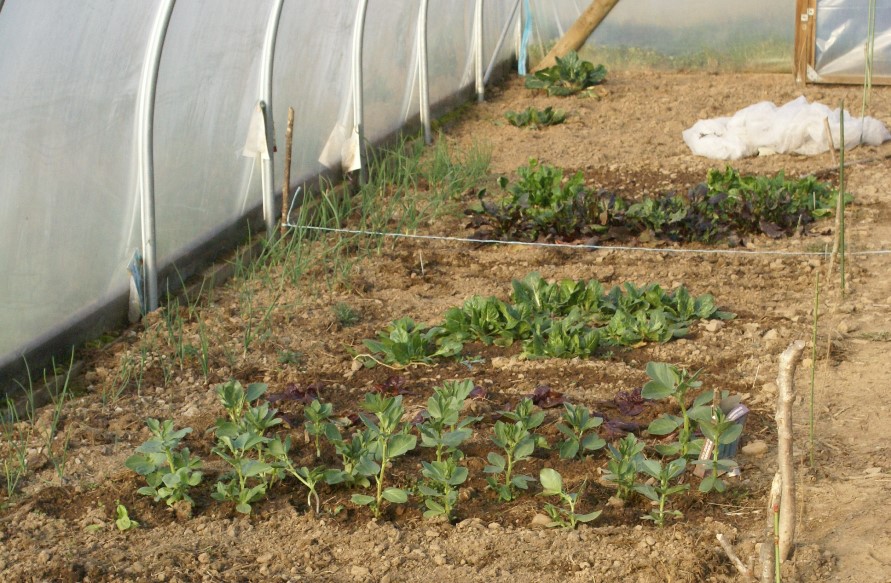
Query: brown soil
{"type": "Point", "coordinates": [627, 139]}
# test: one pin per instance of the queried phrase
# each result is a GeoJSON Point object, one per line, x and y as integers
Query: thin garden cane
{"type": "Point", "coordinates": [838, 245]}
{"type": "Point", "coordinates": [286, 171]}
{"type": "Point", "coordinates": [814, 362]}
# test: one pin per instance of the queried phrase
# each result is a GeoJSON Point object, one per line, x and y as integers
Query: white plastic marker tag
{"type": "Point", "coordinates": [255, 144]}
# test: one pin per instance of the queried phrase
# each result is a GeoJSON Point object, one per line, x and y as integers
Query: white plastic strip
{"type": "Point", "coordinates": [358, 102]}
{"type": "Point", "coordinates": [267, 171]}
{"type": "Point", "coordinates": [478, 50]}
{"type": "Point", "coordinates": [423, 87]}
{"type": "Point", "coordinates": [145, 116]}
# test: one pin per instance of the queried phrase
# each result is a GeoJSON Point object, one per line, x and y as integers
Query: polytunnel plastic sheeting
{"type": "Point", "coordinates": [842, 30]}
{"type": "Point", "coordinates": [312, 75]}
{"type": "Point", "coordinates": [449, 42]}
{"type": "Point", "coordinates": [673, 28]}
{"type": "Point", "coordinates": [68, 212]}
{"type": "Point", "coordinates": [389, 68]}
{"type": "Point", "coordinates": [208, 85]}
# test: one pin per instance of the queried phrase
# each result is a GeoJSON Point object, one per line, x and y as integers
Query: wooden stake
{"type": "Point", "coordinates": [286, 181]}
{"type": "Point", "coordinates": [785, 395]}
{"type": "Point", "coordinates": [768, 546]}
{"type": "Point", "coordinates": [578, 33]}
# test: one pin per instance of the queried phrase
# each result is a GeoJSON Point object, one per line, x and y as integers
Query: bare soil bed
{"type": "Point", "coordinates": [626, 137]}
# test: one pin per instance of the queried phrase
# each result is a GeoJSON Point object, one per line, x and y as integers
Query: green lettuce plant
{"type": "Point", "coordinates": [571, 74]}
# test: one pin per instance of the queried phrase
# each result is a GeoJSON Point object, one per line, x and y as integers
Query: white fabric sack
{"type": "Point", "coordinates": [797, 127]}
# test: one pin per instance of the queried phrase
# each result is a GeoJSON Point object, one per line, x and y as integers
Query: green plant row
{"type": "Point", "coordinates": [542, 203]}
{"type": "Point", "coordinates": [564, 319]}
{"type": "Point", "coordinates": [258, 457]}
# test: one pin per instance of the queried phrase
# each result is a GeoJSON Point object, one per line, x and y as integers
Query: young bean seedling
{"type": "Point", "coordinates": [721, 431]}
{"type": "Point", "coordinates": [662, 488]}
{"type": "Point", "coordinates": [442, 427]}
{"type": "Point", "coordinates": [440, 492]}
{"type": "Point", "coordinates": [386, 434]}
{"type": "Point", "coordinates": [623, 464]}
{"type": "Point", "coordinates": [517, 443]}
{"type": "Point", "coordinates": [552, 485]}
{"type": "Point", "coordinates": [278, 450]}
{"type": "Point", "coordinates": [576, 422]}
{"type": "Point", "coordinates": [169, 471]}
{"type": "Point", "coordinates": [318, 422]}
{"type": "Point", "coordinates": [669, 381]}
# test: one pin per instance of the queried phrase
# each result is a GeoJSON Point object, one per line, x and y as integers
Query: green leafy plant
{"type": "Point", "coordinates": [552, 485]}
{"type": "Point", "coordinates": [667, 381]}
{"type": "Point", "coordinates": [242, 444]}
{"type": "Point", "coordinates": [442, 427]}
{"type": "Point", "coordinates": [518, 443]}
{"type": "Point", "coordinates": [570, 75]}
{"type": "Point", "coordinates": [387, 434]}
{"type": "Point", "coordinates": [720, 431]}
{"type": "Point", "coordinates": [625, 458]}
{"type": "Point", "coordinates": [725, 207]}
{"type": "Point", "coordinates": [168, 469]}
{"type": "Point", "coordinates": [346, 315]}
{"type": "Point", "coordinates": [122, 518]}
{"type": "Point", "coordinates": [535, 118]}
{"type": "Point", "coordinates": [440, 492]}
{"type": "Point", "coordinates": [278, 450]}
{"type": "Point", "coordinates": [577, 425]}
{"type": "Point", "coordinates": [357, 457]}
{"type": "Point", "coordinates": [662, 488]}
{"type": "Point", "coordinates": [318, 416]}
{"type": "Point", "coordinates": [404, 343]}
{"type": "Point", "coordinates": [15, 436]}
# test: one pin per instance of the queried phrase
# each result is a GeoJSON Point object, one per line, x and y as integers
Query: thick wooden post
{"type": "Point", "coordinates": [578, 33]}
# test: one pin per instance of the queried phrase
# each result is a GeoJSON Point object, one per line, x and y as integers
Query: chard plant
{"type": "Point", "coordinates": [534, 118]}
{"type": "Point", "coordinates": [667, 381]}
{"type": "Point", "coordinates": [662, 488]}
{"type": "Point", "coordinates": [440, 491]}
{"type": "Point", "coordinates": [721, 431]}
{"type": "Point", "coordinates": [625, 458]}
{"type": "Point", "coordinates": [442, 427]}
{"type": "Point", "coordinates": [386, 433]}
{"type": "Point", "coordinates": [552, 485]}
{"type": "Point", "coordinates": [518, 443]}
{"type": "Point", "coordinates": [577, 425]}
{"type": "Point", "coordinates": [170, 471]}
{"type": "Point", "coordinates": [318, 422]}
